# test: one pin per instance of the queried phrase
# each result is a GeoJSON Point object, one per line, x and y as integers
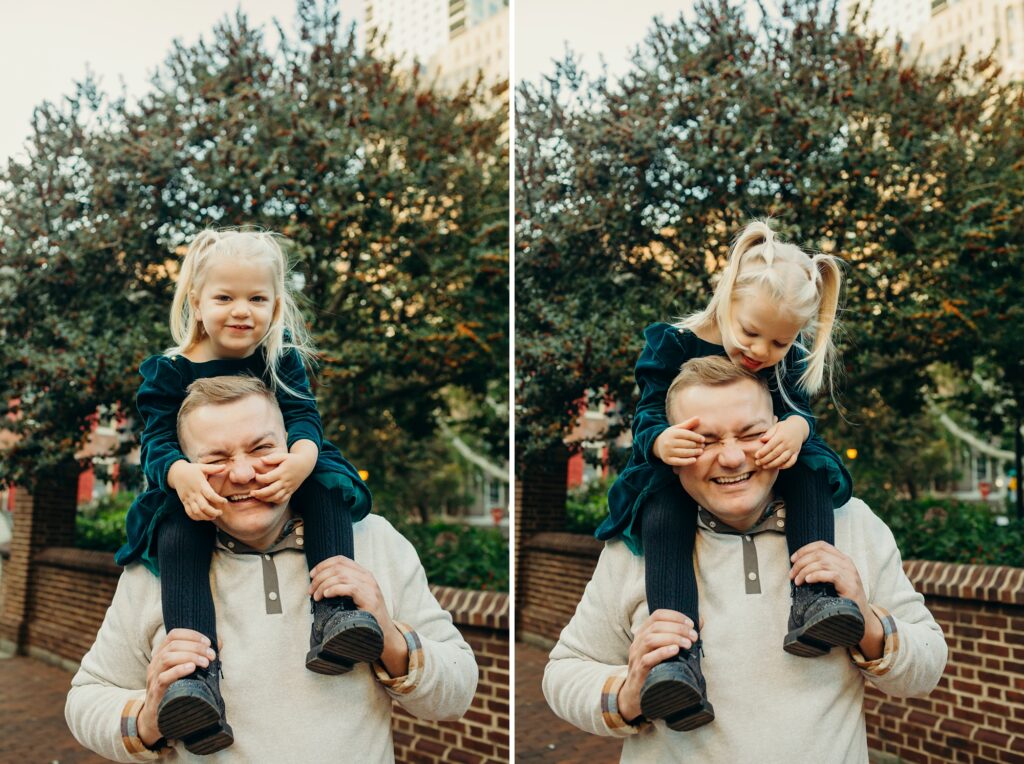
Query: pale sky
{"type": "Point", "coordinates": [45, 45]}
{"type": "Point", "coordinates": [609, 28]}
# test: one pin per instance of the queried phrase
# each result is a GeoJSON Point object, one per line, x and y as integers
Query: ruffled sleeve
{"type": "Point", "coordinates": [301, 419]}
{"type": "Point", "coordinates": [158, 401]}
{"type": "Point", "coordinates": [664, 353]}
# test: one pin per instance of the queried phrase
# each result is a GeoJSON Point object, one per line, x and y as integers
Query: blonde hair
{"type": "Point", "coordinates": [708, 371]}
{"type": "Point", "coordinates": [218, 391]}
{"type": "Point", "coordinates": [805, 285]}
{"type": "Point", "coordinates": [287, 329]}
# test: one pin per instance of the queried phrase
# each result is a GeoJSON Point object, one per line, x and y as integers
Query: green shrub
{"type": "Point", "coordinates": [587, 506]}
{"type": "Point", "coordinates": [453, 555]}
{"type": "Point", "coordinates": [100, 524]}
{"type": "Point", "coordinates": [949, 531]}
{"type": "Point", "coordinates": [461, 555]}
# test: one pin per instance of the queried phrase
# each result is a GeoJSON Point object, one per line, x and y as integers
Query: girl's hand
{"type": "Point", "coordinates": [190, 482]}
{"type": "Point", "coordinates": [679, 445]}
{"type": "Point", "coordinates": [782, 444]}
{"type": "Point", "coordinates": [286, 473]}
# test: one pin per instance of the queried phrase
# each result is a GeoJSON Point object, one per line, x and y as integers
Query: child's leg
{"type": "Point", "coordinates": [669, 527]}
{"type": "Point", "coordinates": [675, 689]}
{"type": "Point", "coordinates": [809, 516]}
{"type": "Point", "coordinates": [819, 618]}
{"type": "Point", "coordinates": [341, 635]}
{"type": "Point", "coordinates": [192, 709]}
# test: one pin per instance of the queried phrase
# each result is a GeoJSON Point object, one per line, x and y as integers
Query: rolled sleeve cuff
{"type": "Point", "coordinates": [130, 734]}
{"type": "Point", "coordinates": [890, 648]}
{"type": "Point", "coordinates": [610, 708]}
{"type": "Point", "coordinates": [403, 685]}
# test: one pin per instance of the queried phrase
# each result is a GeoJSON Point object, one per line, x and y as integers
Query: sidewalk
{"type": "Point", "coordinates": [540, 735]}
{"type": "Point", "coordinates": [32, 728]}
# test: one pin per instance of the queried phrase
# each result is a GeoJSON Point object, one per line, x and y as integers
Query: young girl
{"type": "Point", "coordinates": [772, 298]}
{"type": "Point", "coordinates": [233, 313]}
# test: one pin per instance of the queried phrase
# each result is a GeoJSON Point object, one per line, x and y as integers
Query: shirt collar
{"type": "Point", "coordinates": [773, 519]}
{"type": "Point", "coordinates": [291, 537]}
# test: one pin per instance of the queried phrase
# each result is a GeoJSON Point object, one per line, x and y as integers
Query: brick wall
{"type": "Point", "coordinates": [539, 500]}
{"type": "Point", "coordinates": [975, 714]}
{"type": "Point", "coordinates": [72, 589]}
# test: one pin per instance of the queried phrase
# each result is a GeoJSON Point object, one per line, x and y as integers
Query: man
{"type": "Point", "coordinates": [769, 706]}
{"type": "Point", "coordinates": [277, 710]}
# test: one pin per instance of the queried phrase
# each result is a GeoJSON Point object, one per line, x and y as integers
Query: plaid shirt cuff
{"type": "Point", "coordinates": [403, 685]}
{"type": "Point", "coordinates": [610, 708]}
{"type": "Point", "coordinates": [890, 649]}
{"type": "Point", "coordinates": [130, 734]}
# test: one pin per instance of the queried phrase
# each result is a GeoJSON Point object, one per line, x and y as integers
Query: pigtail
{"type": "Point", "coordinates": [185, 329]}
{"type": "Point", "coordinates": [827, 276]}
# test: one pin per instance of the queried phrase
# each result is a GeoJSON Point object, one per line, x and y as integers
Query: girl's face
{"type": "Point", "coordinates": [763, 330]}
{"type": "Point", "coordinates": [236, 307]}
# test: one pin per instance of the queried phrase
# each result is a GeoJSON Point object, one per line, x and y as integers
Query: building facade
{"type": "Point", "coordinates": [979, 27]}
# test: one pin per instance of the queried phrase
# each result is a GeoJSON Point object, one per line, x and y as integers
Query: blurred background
{"type": "Point", "coordinates": [373, 134]}
{"type": "Point", "coordinates": [889, 134]}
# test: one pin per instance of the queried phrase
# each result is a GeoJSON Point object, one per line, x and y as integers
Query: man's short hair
{"type": "Point", "coordinates": [709, 371]}
{"type": "Point", "coordinates": [218, 391]}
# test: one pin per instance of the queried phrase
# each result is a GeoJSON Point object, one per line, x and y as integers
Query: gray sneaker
{"type": "Point", "coordinates": [341, 637]}
{"type": "Point", "coordinates": [820, 619]}
{"type": "Point", "coordinates": [676, 692]}
{"type": "Point", "coordinates": [192, 711]}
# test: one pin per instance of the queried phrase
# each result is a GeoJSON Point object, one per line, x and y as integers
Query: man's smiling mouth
{"type": "Point", "coordinates": [240, 497]}
{"type": "Point", "coordinates": [730, 479]}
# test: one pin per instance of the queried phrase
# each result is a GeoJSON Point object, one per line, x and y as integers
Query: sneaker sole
{"type": "Point", "coordinates": [840, 627]}
{"type": "Point", "coordinates": [357, 641]}
{"type": "Point", "coordinates": [679, 703]}
{"type": "Point", "coordinates": [195, 722]}
{"type": "Point", "coordinates": [217, 741]}
{"type": "Point", "coordinates": [186, 715]}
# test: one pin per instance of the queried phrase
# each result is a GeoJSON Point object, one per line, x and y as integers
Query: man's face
{"type": "Point", "coordinates": [237, 436]}
{"type": "Point", "coordinates": [724, 479]}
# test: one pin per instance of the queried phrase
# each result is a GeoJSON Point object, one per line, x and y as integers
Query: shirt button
{"type": "Point", "coordinates": [752, 576]}
{"type": "Point", "coordinates": [299, 541]}
{"type": "Point", "coordinates": [712, 524]}
{"type": "Point", "coordinates": [231, 545]}
{"type": "Point", "coordinates": [272, 596]}
{"type": "Point", "coordinates": [747, 538]}
{"type": "Point", "coordinates": [782, 523]}
{"type": "Point", "coordinates": [266, 557]}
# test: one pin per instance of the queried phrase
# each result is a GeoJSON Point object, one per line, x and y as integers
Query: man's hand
{"type": "Point", "coordinates": [822, 563]}
{"type": "Point", "coordinates": [190, 482]}
{"type": "Point", "coordinates": [289, 470]}
{"type": "Point", "coordinates": [341, 577]}
{"type": "Point", "coordinates": [782, 444]}
{"type": "Point", "coordinates": [659, 638]}
{"type": "Point", "coordinates": [179, 654]}
{"type": "Point", "coordinates": [679, 445]}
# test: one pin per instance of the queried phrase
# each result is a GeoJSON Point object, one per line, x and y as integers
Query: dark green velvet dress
{"type": "Point", "coordinates": [666, 350]}
{"type": "Point", "coordinates": [164, 381]}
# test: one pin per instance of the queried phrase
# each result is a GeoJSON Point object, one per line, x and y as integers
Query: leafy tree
{"type": "Point", "coordinates": [393, 195]}
{"type": "Point", "coordinates": [629, 191]}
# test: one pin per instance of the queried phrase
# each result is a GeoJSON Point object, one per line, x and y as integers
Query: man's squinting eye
{"type": "Point", "coordinates": [264, 446]}
{"type": "Point", "coordinates": [750, 437]}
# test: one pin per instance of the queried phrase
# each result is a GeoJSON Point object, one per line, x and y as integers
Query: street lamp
{"type": "Point", "coordinates": [851, 454]}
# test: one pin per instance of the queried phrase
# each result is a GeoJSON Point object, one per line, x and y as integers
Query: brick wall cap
{"type": "Point", "coordinates": [576, 544]}
{"type": "Point", "coordinates": [471, 607]}
{"type": "Point", "coordinates": [985, 583]}
{"type": "Point", "coordinates": [86, 560]}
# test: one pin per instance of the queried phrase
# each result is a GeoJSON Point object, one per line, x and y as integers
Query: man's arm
{"type": "Point", "coordinates": [588, 667]}
{"type": "Point", "coordinates": [914, 654]}
{"type": "Point", "coordinates": [426, 665]}
{"type": "Point", "coordinates": [109, 689]}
